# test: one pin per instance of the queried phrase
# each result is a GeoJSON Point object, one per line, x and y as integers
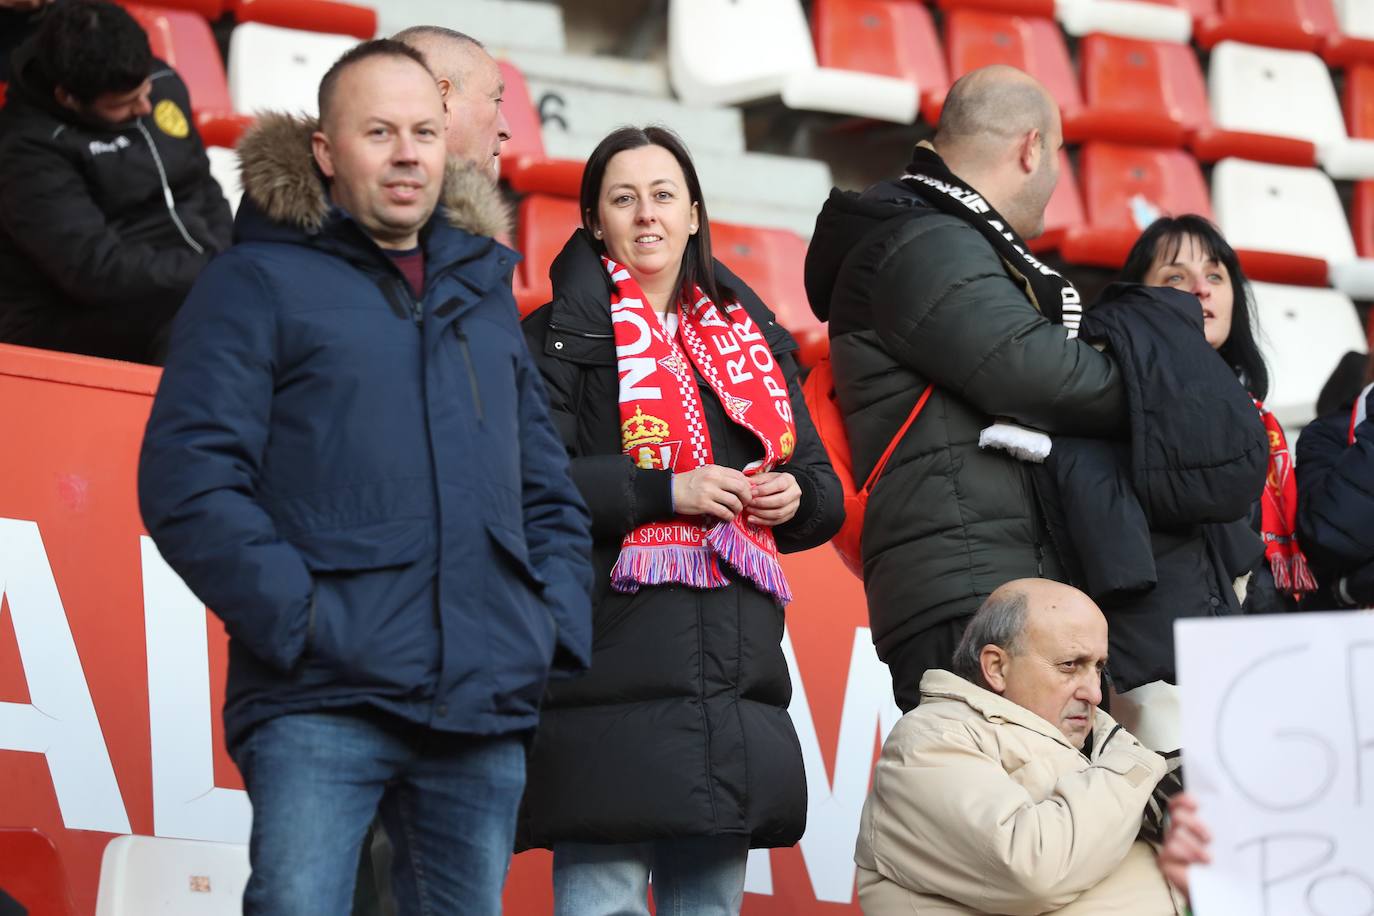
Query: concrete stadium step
{"type": "Point", "coordinates": [498, 24]}
{"type": "Point", "coordinates": [587, 71]}
{"type": "Point", "coordinates": [566, 109]}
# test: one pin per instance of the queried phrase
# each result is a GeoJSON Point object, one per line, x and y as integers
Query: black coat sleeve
{"type": "Point", "coordinates": [1336, 493]}
{"type": "Point", "coordinates": [619, 495]}
{"type": "Point", "coordinates": [946, 308]}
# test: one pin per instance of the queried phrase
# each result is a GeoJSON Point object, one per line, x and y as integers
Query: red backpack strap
{"type": "Point", "coordinates": [892, 446]}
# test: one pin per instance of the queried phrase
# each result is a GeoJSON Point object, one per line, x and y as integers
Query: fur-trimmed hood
{"type": "Point", "coordinates": [279, 175]}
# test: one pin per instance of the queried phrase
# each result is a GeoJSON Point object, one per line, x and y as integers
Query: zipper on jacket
{"type": "Point", "coordinates": [591, 335]}
{"type": "Point", "coordinates": [472, 370]}
{"type": "Point", "coordinates": [167, 190]}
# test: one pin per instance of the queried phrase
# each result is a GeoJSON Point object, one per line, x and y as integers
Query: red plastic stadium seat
{"type": "Point", "coordinates": [206, 9]}
{"type": "Point", "coordinates": [976, 38]}
{"type": "Point", "coordinates": [1044, 8]}
{"type": "Point", "coordinates": [3, 88]}
{"type": "Point", "coordinates": [545, 224]}
{"type": "Point", "coordinates": [1139, 92]}
{"type": "Point", "coordinates": [309, 16]}
{"type": "Point", "coordinates": [1359, 101]}
{"type": "Point", "coordinates": [888, 37]}
{"type": "Point", "coordinates": [1125, 188]}
{"type": "Point", "coordinates": [1362, 218]}
{"type": "Point", "coordinates": [1065, 209]}
{"type": "Point", "coordinates": [523, 163]}
{"type": "Point", "coordinates": [1299, 25]}
{"type": "Point", "coordinates": [183, 39]}
{"type": "Point", "coordinates": [770, 261]}
{"type": "Point", "coordinates": [31, 872]}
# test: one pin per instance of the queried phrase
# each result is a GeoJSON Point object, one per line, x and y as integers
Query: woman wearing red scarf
{"type": "Point", "coordinates": [677, 398]}
{"type": "Point", "coordinates": [1188, 253]}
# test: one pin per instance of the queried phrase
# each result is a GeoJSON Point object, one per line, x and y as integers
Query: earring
{"type": "Point", "coordinates": [694, 227]}
{"type": "Point", "coordinates": [597, 233]}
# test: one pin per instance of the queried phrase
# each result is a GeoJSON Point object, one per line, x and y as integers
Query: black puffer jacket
{"type": "Point", "coordinates": [1336, 507]}
{"type": "Point", "coordinates": [922, 300]}
{"type": "Point", "coordinates": [681, 728]}
{"type": "Point", "coordinates": [103, 229]}
{"type": "Point", "coordinates": [1158, 530]}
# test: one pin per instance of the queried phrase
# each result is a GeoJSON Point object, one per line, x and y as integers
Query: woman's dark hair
{"type": "Point", "coordinates": [1165, 236]}
{"type": "Point", "coordinates": [90, 48]}
{"type": "Point", "coordinates": [698, 265]}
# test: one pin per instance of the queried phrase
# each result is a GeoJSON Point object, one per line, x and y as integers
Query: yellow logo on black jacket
{"type": "Point", "coordinates": [170, 120]}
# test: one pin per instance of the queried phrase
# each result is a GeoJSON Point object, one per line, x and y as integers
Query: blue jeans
{"type": "Point", "coordinates": [694, 876]}
{"type": "Point", "coordinates": [448, 803]}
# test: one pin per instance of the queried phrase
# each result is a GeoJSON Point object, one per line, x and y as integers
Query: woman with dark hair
{"type": "Point", "coordinates": [676, 395]}
{"type": "Point", "coordinates": [1336, 499]}
{"type": "Point", "coordinates": [1189, 253]}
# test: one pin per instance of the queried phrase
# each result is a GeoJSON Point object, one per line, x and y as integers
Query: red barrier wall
{"type": "Point", "coordinates": [88, 749]}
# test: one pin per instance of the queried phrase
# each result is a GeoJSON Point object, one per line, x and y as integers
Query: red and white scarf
{"type": "Point", "coordinates": [1357, 413]}
{"type": "Point", "coordinates": [663, 426]}
{"type": "Point", "coordinates": [1279, 515]}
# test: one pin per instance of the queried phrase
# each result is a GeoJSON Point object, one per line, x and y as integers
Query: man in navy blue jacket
{"type": "Point", "coordinates": [350, 461]}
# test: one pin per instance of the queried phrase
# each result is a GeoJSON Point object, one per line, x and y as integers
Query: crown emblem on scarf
{"type": "Point", "coordinates": [643, 429]}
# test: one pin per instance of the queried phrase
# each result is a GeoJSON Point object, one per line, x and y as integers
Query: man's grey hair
{"type": "Point", "coordinates": [1000, 621]}
{"type": "Point", "coordinates": [418, 36]}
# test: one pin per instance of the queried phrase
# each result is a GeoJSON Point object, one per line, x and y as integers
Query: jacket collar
{"type": "Point", "coordinates": [286, 199]}
{"type": "Point", "coordinates": [998, 710]}
{"type": "Point", "coordinates": [282, 182]}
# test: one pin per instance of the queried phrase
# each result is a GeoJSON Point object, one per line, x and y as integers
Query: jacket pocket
{"type": "Point", "coordinates": [371, 605]}
{"type": "Point", "coordinates": [512, 544]}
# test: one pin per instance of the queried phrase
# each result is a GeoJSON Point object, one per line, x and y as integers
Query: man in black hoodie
{"type": "Point", "coordinates": [108, 210]}
{"type": "Point", "coordinates": [926, 280]}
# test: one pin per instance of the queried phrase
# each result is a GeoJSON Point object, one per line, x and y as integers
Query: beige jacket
{"type": "Point", "coordinates": [980, 806]}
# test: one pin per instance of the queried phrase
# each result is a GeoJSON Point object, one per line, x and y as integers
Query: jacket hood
{"type": "Point", "coordinates": [281, 180]}
{"type": "Point", "coordinates": [843, 222]}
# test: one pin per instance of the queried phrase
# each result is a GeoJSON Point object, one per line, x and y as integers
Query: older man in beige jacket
{"type": "Point", "coordinates": [1007, 790]}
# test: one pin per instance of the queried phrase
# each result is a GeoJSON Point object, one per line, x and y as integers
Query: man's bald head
{"type": "Point", "coordinates": [989, 108]}
{"type": "Point", "coordinates": [471, 85]}
{"type": "Point", "coordinates": [1042, 645]}
{"type": "Point", "coordinates": [448, 52]}
{"type": "Point", "coordinates": [1000, 131]}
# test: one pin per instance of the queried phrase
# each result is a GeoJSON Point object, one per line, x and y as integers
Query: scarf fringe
{"type": "Point", "coordinates": [692, 566]}
{"type": "Point", "coordinates": [1291, 573]}
{"type": "Point", "coordinates": [729, 540]}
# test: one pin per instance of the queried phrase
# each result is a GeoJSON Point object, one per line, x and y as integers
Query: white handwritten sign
{"type": "Point", "coordinates": [1278, 739]}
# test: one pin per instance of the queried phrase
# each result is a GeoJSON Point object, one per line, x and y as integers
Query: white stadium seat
{"type": "Point", "coordinates": [1127, 18]}
{"type": "Point", "coordinates": [276, 69]}
{"type": "Point", "coordinates": [1285, 94]}
{"type": "Point", "coordinates": [224, 168]}
{"type": "Point", "coordinates": [1356, 18]}
{"type": "Point", "coordinates": [498, 24]}
{"type": "Point", "coordinates": [152, 876]}
{"type": "Point", "coordinates": [727, 52]}
{"type": "Point", "coordinates": [1303, 333]}
{"type": "Point", "coordinates": [1291, 211]}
